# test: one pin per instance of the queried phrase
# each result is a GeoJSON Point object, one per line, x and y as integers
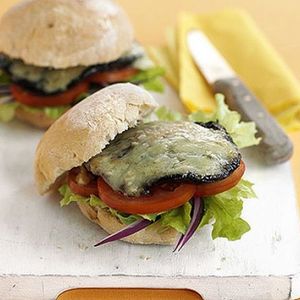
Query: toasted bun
{"type": "Point", "coordinates": [65, 33]}
{"type": "Point", "coordinates": [150, 235]}
{"type": "Point", "coordinates": [84, 130]}
{"type": "Point", "coordinates": [37, 119]}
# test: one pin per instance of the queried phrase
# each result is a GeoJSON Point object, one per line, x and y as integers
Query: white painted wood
{"type": "Point", "coordinates": [210, 288]}
{"type": "Point", "coordinates": [38, 238]}
{"type": "Point", "coordinates": [295, 287]}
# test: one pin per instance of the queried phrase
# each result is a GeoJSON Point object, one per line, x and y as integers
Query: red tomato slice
{"type": "Point", "coordinates": [82, 190]}
{"type": "Point", "coordinates": [28, 98]}
{"type": "Point", "coordinates": [208, 189]}
{"type": "Point", "coordinates": [158, 201]}
{"type": "Point", "coordinates": [113, 76]}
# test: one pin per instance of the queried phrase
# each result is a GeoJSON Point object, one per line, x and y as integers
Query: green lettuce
{"type": "Point", "coordinates": [150, 79]}
{"type": "Point", "coordinates": [4, 78]}
{"type": "Point", "coordinates": [7, 111]}
{"type": "Point", "coordinates": [164, 114]}
{"type": "Point", "coordinates": [56, 111]}
{"type": "Point", "coordinates": [68, 196]}
{"type": "Point", "coordinates": [225, 209]}
{"type": "Point", "coordinates": [178, 218]}
{"type": "Point", "coordinates": [53, 112]}
{"type": "Point", "coordinates": [154, 85]}
{"type": "Point", "coordinates": [242, 133]}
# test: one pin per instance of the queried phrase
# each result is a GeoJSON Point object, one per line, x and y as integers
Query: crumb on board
{"type": "Point", "coordinates": [82, 246]}
{"type": "Point", "coordinates": [143, 257]}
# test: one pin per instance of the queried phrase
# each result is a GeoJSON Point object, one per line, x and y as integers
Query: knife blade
{"type": "Point", "coordinates": [275, 146]}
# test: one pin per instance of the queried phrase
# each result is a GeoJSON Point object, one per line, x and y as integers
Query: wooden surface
{"type": "Point", "coordinates": [48, 287]}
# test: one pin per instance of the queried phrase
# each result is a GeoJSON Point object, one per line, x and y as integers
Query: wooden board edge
{"type": "Point", "coordinates": [48, 287]}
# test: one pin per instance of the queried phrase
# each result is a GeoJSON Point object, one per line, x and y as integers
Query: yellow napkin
{"type": "Point", "coordinates": [244, 46]}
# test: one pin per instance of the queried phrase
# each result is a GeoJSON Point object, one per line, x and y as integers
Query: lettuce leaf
{"type": "Point", "coordinates": [147, 74]}
{"type": "Point", "coordinates": [94, 201]}
{"type": "Point", "coordinates": [4, 78]}
{"type": "Point", "coordinates": [69, 197]}
{"type": "Point", "coordinates": [178, 218]}
{"type": "Point", "coordinates": [53, 112]}
{"type": "Point", "coordinates": [150, 79]}
{"type": "Point", "coordinates": [242, 133]}
{"type": "Point", "coordinates": [225, 209]}
{"type": "Point", "coordinates": [7, 111]}
{"type": "Point", "coordinates": [56, 111]}
{"type": "Point", "coordinates": [165, 114]}
{"type": "Point", "coordinates": [154, 85]}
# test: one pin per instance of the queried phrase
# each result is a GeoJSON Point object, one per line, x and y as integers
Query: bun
{"type": "Point", "coordinates": [64, 33]}
{"type": "Point", "coordinates": [149, 235]}
{"type": "Point", "coordinates": [84, 130]}
{"type": "Point", "coordinates": [37, 119]}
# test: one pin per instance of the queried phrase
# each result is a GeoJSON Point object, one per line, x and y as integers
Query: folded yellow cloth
{"type": "Point", "coordinates": [246, 49]}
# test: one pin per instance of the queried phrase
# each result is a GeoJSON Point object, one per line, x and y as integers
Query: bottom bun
{"type": "Point", "coordinates": [150, 235]}
{"type": "Point", "coordinates": [37, 119]}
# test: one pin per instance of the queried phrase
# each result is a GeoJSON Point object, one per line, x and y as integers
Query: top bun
{"type": "Point", "coordinates": [65, 33]}
{"type": "Point", "coordinates": [84, 130]}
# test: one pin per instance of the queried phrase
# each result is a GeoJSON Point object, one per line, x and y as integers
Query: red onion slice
{"type": "Point", "coordinates": [127, 231]}
{"type": "Point", "coordinates": [195, 221]}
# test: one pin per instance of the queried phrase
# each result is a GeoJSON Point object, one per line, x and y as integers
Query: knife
{"type": "Point", "coordinates": [275, 146]}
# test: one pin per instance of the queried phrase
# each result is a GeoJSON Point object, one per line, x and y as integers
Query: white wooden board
{"type": "Point", "coordinates": [45, 249]}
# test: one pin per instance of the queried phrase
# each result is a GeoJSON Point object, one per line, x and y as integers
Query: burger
{"type": "Point", "coordinates": [147, 180]}
{"type": "Point", "coordinates": [54, 53]}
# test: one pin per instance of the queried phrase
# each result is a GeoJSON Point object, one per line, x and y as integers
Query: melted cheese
{"type": "Point", "coordinates": [48, 80]}
{"type": "Point", "coordinates": [153, 151]}
{"type": "Point", "coordinates": [51, 80]}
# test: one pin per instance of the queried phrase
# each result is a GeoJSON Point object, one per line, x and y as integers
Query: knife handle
{"type": "Point", "coordinates": [275, 146]}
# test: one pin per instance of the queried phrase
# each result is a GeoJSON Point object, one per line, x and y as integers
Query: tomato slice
{"type": "Point", "coordinates": [208, 189]}
{"type": "Point", "coordinates": [28, 98]}
{"type": "Point", "coordinates": [82, 190]}
{"type": "Point", "coordinates": [113, 76]}
{"type": "Point", "coordinates": [158, 201]}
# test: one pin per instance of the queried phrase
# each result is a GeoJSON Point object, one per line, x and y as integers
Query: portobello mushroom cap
{"type": "Point", "coordinates": [50, 81]}
{"type": "Point", "coordinates": [159, 152]}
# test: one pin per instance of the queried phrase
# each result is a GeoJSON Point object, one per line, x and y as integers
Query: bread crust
{"type": "Point", "coordinates": [150, 235]}
{"type": "Point", "coordinates": [84, 130]}
{"type": "Point", "coordinates": [64, 33]}
{"type": "Point", "coordinates": [37, 119]}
